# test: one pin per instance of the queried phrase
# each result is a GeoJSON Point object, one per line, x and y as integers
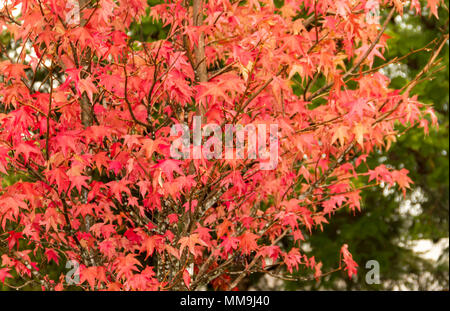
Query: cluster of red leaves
{"type": "Point", "coordinates": [93, 136]}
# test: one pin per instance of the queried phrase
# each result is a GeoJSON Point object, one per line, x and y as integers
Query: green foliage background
{"type": "Point", "coordinates": [382, 231]}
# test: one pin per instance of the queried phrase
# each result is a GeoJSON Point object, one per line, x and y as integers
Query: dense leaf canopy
{"type": "Point", "coordinates": [93, 94]}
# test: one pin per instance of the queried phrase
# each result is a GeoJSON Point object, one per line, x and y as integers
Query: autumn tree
{"type": "Point", "coordinates": [91, 117]}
